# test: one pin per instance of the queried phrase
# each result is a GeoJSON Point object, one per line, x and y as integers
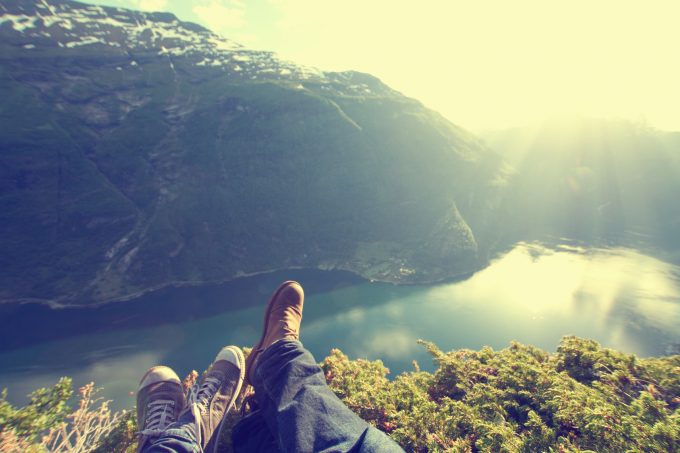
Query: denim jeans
{"type": "Point", "coordinates": [180, 437]}
{"type": "Point", "coordinates": [297, 413]}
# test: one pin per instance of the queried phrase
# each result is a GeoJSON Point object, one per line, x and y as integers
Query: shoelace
{"type": "Point", "coordinates": [161, 414]}
{"type": "Point", "coordinates": [201, 397]}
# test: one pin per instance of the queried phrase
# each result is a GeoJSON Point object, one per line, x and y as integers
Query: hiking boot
{"type": "Point", "coordinates": [160, 399]}
{"type": "Point", "coordinates": [214, 395]}
{"type": "Point", "coordinates": [281, 321]}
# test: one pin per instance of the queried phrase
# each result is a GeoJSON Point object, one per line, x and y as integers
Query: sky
{"type": "Point", "coordinates": [483, 64]}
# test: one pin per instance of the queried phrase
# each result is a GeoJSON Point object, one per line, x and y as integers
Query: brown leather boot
{"type": "Point", "coordinates": [281, 321]}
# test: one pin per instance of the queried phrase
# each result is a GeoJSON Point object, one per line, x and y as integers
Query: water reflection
{"type": "Point", "coordinates": [533, 294]}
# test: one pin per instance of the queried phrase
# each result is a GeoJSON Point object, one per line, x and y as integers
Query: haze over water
{"type": "Point", "coordinates": [533, 294]}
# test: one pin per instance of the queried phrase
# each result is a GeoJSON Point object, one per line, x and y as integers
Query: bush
{"type": "Point", "coordinates": [519, 399]}
{"type": "Point", "coordinates": [47, 423]}
{"type": "Point", "coordinates": [582, 398]}
{"type": "Point", "coordinates": [45, 410]}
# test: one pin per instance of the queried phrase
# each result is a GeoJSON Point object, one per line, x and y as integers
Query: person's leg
{"type": "Point", "coordinates": [302, 413]}
{"type": "Point", "coordinates": [298, 405]}
{"type": "Point", "coordinates": [179, 437]}
{"type": "Point", "coordinates": [198, 425]}
{"type": "Point", "coordinates": [252, 435]}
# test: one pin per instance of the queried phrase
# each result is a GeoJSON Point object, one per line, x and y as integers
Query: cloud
{"type": "Point", "coordinates": [222, 15]}
{"type": "Point", "coordinates": [151, 5]}
{"type": "Point", "coordinates": [393, 344]}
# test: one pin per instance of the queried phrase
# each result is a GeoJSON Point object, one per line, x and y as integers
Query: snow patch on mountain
{"type": "Point", "coordinates": [77, 27]}
{"type": "Point", "coordinates": [19, 22]}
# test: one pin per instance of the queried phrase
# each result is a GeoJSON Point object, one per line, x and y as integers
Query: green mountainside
{"type": "Point", "coordinates": [594, 180]}
{"type": "Point", "coordinates": [138, 151]}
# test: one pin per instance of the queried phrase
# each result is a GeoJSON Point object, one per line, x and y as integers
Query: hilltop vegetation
{"type": "Point", "coordinates": [520, 399]}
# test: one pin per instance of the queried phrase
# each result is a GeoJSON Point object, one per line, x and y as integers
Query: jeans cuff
{"type": "Point", "coordinates": [269, 357]}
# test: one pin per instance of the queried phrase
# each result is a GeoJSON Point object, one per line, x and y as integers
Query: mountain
{"type": "Point", "coordinates": [611, 181]}
{"type": "Point", "coordinates": [138, 151]}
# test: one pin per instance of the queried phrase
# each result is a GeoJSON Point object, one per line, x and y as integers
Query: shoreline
{"type": "Point", "coordinates": [57, 304]}
{"type": "Point", "coordinates": [362, 272]}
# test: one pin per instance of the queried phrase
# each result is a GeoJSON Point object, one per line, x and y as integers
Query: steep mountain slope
{"type": "Point", "coordinates": [594, 180]}
{"type": "Point", "coordinates": [138, 151]}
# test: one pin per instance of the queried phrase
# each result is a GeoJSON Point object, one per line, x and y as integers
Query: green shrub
{"type": "Point", "coordinates": [582, 398]}
{"type": "Point", "coordinates": [46, 409]}
{"type": "Point", "coordinates": [48, 423]}
{"type": "Point", "coordinates": [519, 399]}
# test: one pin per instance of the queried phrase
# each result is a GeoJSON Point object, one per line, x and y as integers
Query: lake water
{"type": "Point", "coordinates": [533, 294]}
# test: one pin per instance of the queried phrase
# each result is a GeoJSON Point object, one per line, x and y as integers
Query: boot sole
{"type": "Point", "coordinates": [253, 353]}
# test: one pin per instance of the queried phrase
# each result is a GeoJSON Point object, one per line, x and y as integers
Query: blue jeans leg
{"type": "Point", "coordinates": [252, 435]}
{"type": "Point", "coordinates": [180, 437]}
{"type": "Point", "coordinates": [302, 413]}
